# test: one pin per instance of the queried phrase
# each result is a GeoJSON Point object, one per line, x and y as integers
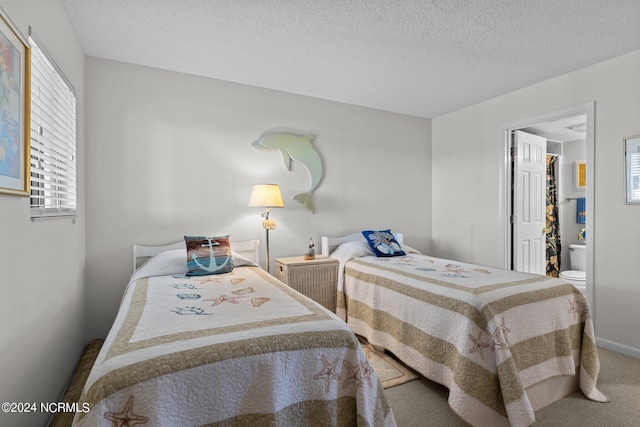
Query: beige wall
{"type": "Point", "coordinates": [42, 263]}
{"type": "Point", "coordinates": [468, 154]}
{"type": "Point", "coordinates": [170, 154]}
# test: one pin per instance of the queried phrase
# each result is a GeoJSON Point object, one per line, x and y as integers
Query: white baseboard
{"type": "Point", "coordinates": [618, 348]}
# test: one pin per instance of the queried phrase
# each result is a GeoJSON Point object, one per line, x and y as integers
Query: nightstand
{"type": "Point", "coordinates": [316, 278]}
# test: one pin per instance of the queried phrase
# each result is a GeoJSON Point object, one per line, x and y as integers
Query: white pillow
{"type": "Point", "coordinates": [174, 261]}
{"type": "Point", "coordinates": [165, 263]}
{"type": "Point", "coordinates": [350, 250]}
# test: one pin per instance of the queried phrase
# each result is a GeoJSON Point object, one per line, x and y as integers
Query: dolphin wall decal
{"type": "Point", "coordinates": [300, 149]}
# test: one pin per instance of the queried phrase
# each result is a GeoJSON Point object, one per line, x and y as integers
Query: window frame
{"type": "Point", "coordinates": [53, 140]}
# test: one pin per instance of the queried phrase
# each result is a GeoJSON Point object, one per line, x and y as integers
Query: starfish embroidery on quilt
{"type": "Point", "coordinates": [222, 299]}
{"type": "Point", "coordinates": [126, 417]}
{"type": "Point", "coordinates": [328, 373]}
{"type": "Point", "coordinates": [478, 345]}
{"type": "Point", "coordinates": [353, 375]}
{"type": "Point", "coordinates": [209, 279]}
{"type": "Point", "coordinates": [459, 270]}
{"type": "Point", "coordinates": [367, 371]}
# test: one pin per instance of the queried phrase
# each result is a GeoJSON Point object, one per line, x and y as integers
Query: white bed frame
{"type": "Point", "coordinates": [142, 253]}
{"type": "Point", "coordinates": [541, 394]}
{"type": "Point", "coordinates": [330, 243]}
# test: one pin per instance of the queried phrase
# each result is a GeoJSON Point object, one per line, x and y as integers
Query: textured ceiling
{"type": "Point", "coordinates": [423, 58]}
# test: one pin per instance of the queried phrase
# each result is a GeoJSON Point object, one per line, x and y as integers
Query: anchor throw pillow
{"type": "Point", "coordinates": [382, 243]}
{"type": "Point", "coordinates": [208, 255]}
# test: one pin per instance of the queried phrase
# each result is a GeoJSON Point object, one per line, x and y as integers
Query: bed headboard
{"type": "Point", "coordinates": [330, 243]}
{"type": "Point", "coordinates": [142, 253]}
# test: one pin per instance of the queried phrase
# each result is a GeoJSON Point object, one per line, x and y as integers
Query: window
{"type": "Point", "coordinates": [53, 137]}
{"type": "Point", "coordinates": [632, 168]}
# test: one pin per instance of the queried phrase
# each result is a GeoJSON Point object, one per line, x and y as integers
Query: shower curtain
{"type": "Point", "coordinates": [552, 230]}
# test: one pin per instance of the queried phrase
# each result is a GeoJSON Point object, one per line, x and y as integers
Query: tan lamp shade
{"type": "Point", "coordinates": [266, 196]}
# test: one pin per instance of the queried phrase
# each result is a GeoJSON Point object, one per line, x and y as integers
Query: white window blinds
{"type": "Point", "coordinates": [633, 176]}
{"type": "Point", "coordinates": [53, 137]}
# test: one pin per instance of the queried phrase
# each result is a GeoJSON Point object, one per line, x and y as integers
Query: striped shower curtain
{"type": "Point", "coordinates": [552, 230]}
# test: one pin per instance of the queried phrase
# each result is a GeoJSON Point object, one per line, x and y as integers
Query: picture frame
{"type": "Point", "coordinates": [632, 170]}
{"type": "Point", "coordinates": [580, 175]}
{"type": "Point", "coordinates": [15, 106]}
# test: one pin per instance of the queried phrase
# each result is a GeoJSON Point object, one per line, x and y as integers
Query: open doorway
{"type": "Point", "coordinates": [568, 137]}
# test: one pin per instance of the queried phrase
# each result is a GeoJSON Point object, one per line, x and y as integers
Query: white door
{"type": "Point", "coordinates": [529, 222]}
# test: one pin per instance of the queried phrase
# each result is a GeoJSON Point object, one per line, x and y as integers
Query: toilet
{"type": "Point", "coordinates": [577, 276]}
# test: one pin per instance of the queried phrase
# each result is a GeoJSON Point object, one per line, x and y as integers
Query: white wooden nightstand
{"type": "Point", "coordinates": [316, 278]}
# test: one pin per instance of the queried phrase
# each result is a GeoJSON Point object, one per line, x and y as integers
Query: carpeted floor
{"type": "Point", "coordinates": [424, 403]}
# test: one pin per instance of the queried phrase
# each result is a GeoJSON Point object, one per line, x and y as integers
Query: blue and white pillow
{"type": "Point", "coordinates": [208, 255]}
{"type": "Point", "coordinates": [382, 243]}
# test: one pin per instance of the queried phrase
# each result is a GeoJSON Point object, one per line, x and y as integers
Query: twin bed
{"type": "Point", "coordinates": [236, 347]}
{"type": "Point", "coordinates": [504, 343]}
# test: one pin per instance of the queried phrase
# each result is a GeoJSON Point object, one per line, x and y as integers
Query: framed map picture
{"type": "Point", "coordinates": [14, 110]}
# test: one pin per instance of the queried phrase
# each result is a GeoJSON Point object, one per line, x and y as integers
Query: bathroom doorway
{"type": "Point", "coordinates": [570, 141]}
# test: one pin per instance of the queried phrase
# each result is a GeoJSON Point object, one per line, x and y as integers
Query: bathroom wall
{"type": "Point", "coordinates": [571, 151]}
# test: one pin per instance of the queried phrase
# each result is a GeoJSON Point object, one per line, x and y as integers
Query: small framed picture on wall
{"type": "Point", "coordinates": [632, 169]}
{"type": "Point", "coordinates": [580, 175]}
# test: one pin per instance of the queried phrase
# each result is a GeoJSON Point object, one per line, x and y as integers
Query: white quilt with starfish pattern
{"type": "Point", "coordinates": [231, 349]}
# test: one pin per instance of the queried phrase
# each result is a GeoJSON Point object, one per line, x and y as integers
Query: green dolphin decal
{"type": "Point", "coordinates": [300, 149]}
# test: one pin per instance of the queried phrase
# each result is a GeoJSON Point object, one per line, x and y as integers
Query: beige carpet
{"type": "Point", "coordinates": [619, 379]}
{"type": "Point", "coordinates": [389, 371]}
